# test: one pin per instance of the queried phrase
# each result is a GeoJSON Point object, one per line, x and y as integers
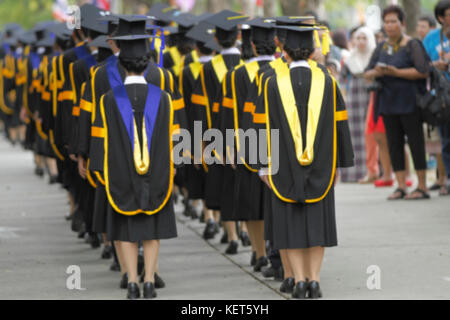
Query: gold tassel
{"type": "Point", "coordinates": [326, 42]}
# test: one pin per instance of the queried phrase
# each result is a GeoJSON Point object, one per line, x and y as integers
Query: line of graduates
{"type": "Point", "coordinates": [105, 105]}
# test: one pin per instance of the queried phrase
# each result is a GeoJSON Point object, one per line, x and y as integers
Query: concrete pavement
{"type": "Point", "coordinates": [408, 242]}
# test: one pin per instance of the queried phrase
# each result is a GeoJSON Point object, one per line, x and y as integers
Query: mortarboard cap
{"type": "Point", "coordinates": [295, 21]}
{"type": "Point", "coordinates": [226, 20]}
{"type": "Point", "coordinates": [202, 32]}
{"type": "Point", "coordinates": [185, 21]}
{"type": "Point", "coordinates": [47, 41]}
{"type": "Point", "coordinates": [132, 47]}
{"type": "Point", "coordinates": [162, 13]}
{"type": "Point", "coordinates": [213, 45]}
{"type": "Point", "coordinates": [262, 30]}
{"type": "Point", "coordinates": [90, 15]}
{"type": "Point", "coordinates": [131, 25]}
{"type": "Point", "coordinates": [28, 37]}
{"type": "Point", "coordinates": [60, 30]}
{"type": "Point", "coordinates": [100, 42]}
{"type": "Point", "coordinates": [298, 37]}
{"type": "Point", "coordinates": [111, 20]}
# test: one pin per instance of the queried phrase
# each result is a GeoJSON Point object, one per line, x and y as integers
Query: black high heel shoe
{"type": "Point", "coordinates": [288, 285]}
{"type": "Point", "coordinates": [124, 281]}
{"type": "Point", "coordinates": [300, 290]}
{"type": "Point", "coordinates": [133, 291]}
{"type": "Point", "coordinates": [314, 290]}
{"type": "Point", "coordinates": [149, 290]}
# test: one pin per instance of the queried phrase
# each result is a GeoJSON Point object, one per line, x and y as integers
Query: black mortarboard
{"type": "Point", "coordinates": [111, 21]}
{"type": "Point", "coordinates": [90, 15]}
{"type": "Point", "coordinates": [48, 41]}
{"type": "Point", "coordinates": [295, 21]}
{"type": "Point", "coordinates": [28, 37]}
{"type": "Point", "coordinates": [202, 32]}
{"type": "Point", "coordinates": [185, 21]}
{"type": "Point", "coordinates": [262, 30]}
{"type": "Point", "coordinates": [131, 25]}
{"type": "Point", "coordinates": [299, 37]}
{"type": "Point", "coordinates": [133, 48]}
{"type": "Point", "coordinates": [227, 20]}
{"type": "Point", "coordinates": [162, 13]}
{"type": "Point", "coordinates": [100, 42]}
{"type": "Point", "coordinates": [246, 33]}
{"type": "Point", "coordinates": [60, 30]}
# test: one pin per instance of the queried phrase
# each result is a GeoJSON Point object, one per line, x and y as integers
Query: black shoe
{"type": "Point", "coordinates": [159, 282]}
{"type": "Point", "coordinates": [202, 217]}
{"type": "Point", "coordinates": [300, 290]}
{"type": "Point", "coordinates": [224, 238]}
{"type": "Point", "coordinates": [39, 172]}
{"type": "Point", "coordinates": [133, 291]}
{"type": "Point", "coordinates": [245, 239]}
{"type": "Point", "coordinates": [262, 262]}
{"type": "Point", "coordinates": [314, 290]}
{"type": "Point", "coordinates": [53, 179]}
{"type": "Point", "coordinates": [107, 252]}
{"type": "Point", "coordinates": [81, 234]}
{"type": "Point", "coordinates": [115, 266]}
{"type": "Point", "coordinates": [194, 214]}
{"type": "Point", "coordinates": [77, 222]}
{"type": "Point", "coordinates": [253, 259]}
{"type": "Point", "coordinates": [232, 247]}
{"type": "Point", "coordinates": [94, 241]}
{"type": "Point", "coordinates": [210, 230]}
{"type": "Point", "coordinates": [68, 217]}
{"type": "Point", "coordinates": [288, 285]}
{"type": "Point", "coordinates": [268, 272]}
{"type": "Point", "coordinates": [124, 281]}
{"type": "Point", "coordinates": [149, 290]}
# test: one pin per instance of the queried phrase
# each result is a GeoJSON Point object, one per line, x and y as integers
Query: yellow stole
{"type": "Point", "coordinates": [305, 156]}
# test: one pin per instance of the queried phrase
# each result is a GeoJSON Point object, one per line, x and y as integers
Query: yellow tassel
{"type": "Point", "coordinates": [317, 38]}
{"type": "Point", "coordinates": [326, 43]}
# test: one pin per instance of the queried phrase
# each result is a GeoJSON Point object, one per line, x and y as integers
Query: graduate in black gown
{"type": "Point", "coordinates": [138, 122]}
{"type": "Point", "coordinates": [248, 188]}
{"type": "Point", "coordinates": [195, 173]}
{"type": "Point", "coordinates": [206, 102]}
{"type": "Point", "coordinates": [306, 107]}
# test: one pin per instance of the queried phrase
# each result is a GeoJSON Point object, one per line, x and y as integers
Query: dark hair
{"type": "Point", "coordinates": [441, 7]}
{"type": "Point", "coordinates": [265, 48]}
{"type": "Point", "coordinates": [340, 39]}
{"type": "Point", "coordinates": [313, 14]}
{"type": "Point", "coordinates": [65, 44]}
{"type": "Point", "coordinates": [299, 54]}
{"type": "Point", "coordinates": [246, 51]}
{"type": "Point", "coordinates": [225, 38]}
{"type": "Point", "coordinates": [137, 65]}
{"type": "Point", "coordinates": [397, 10]}
{"type": "Point", "coordinates": [184, 44]}
{"type": "Point", "coordinates": [429, 19]}
{"type": "Point", "coordinates": [203, 49]}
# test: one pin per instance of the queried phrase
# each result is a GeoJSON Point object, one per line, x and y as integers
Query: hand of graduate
{"type": "Point", "coordinates": [23, 115]}
{"type": "Point", "coordinates": [82, 167]}
{"type": "Point", "coordinates": [265, 179]}
{"type": "Point", "coordinates": [73, 157]}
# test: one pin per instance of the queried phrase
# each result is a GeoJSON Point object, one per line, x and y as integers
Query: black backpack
{"type": "Point", "coordinates": [435, 103]}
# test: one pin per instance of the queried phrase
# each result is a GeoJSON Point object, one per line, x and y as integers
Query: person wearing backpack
{"type": "Point", "coordinates": [400, 66]}
{"type": "Point", "coordinates": [437, 46]}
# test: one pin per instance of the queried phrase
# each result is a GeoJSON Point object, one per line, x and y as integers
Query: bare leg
{"type": "Point", "coordinates": [151, 251]}
{"type": "Point", "coordinates": [257, 229]}
{"type": "Point", "coordinates": [52, 167]}
{"type": "Point", "coordinates": [297, 260]}
{"type": "Point", "coordinates": [230, 227]}
{"type": "Point", "coordinates": [217, 215]}
{"type": "Point", "coordinates": [130, 258]}
{"type": "Point", "coordinates": [442, 179]}
{"type": "Point", "coordinates": [385, 159]}
{"type": "Point", "coordinates": [315, 258]}
{"type": "Point", "coordinates": [286, 264]}
{"type": "Point", "coordinates": [121, 257]}
{"type": "Point", "coordinates": [251, 233]}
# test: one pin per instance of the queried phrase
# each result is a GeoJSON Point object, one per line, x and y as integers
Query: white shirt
{"type": "Point", "coordinates": [262, 58]}
{"type": "Point", "coordinates": [300, 63]}
{"type": "Point", "coordinates": [135, 80]}
{"type": "Point", "coordinates": [205, 59]}
{"type": "Point", "coordinates": [233, 50]}
{"type": "Point", "coordinates": [117, 53]}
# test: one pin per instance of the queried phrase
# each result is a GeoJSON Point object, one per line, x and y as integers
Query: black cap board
{"type": "Point", "coordinates": [28, 37]}
{"type": "Point", "coordinates": [100, 42]}
{"type": "Point", "coordinates": [262, 30]}
{"type": "Point", "coordinates": [133, 48]}
{"type": "Point", "coordinates": [47, 41]}
{"type": "Point", "coordinates": [162, 13]}
{"type": "Point", "coordinates": [294, 20]}
{"type": "Point", "coordinates": [202, 32]}
{"type": "Point", "coordinates": [299, 37]}
{"type": "Point", "coordinates": [131, 25]}
{"type": "Point", "coordinates": [111, 20]}
{"type": "Point", "coordinates": [60, 30]}
{"type": "Point", "coordinates": [227, 20]}
{"type": "Point", "coordinates": [213, 45]}
{"type": "Point", "coordinates": [90, 15]}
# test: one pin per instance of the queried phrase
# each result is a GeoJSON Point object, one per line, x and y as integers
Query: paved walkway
{"type": "Point", "coordinates": [408, 241]}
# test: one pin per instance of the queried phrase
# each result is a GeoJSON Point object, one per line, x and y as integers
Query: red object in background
{"type": "Point", "coordinates": [102, 4]}
{"type": "Point", "coordinates": [259, 3]}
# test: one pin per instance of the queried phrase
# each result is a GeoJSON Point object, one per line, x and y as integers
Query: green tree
{"type": "Point", "coordinates": [25, 12]}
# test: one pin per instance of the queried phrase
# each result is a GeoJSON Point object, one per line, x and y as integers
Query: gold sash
{"type": "Point", "coordinates": [305, 156]}
{"type": "Point", "coordinates": [220, 68]}
{"type": "Point", "coordinates": [141, 156]}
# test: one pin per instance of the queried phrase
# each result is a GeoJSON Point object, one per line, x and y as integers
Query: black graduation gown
{"type": "Point", "coordinates": [248, 188]}
{"type": "Point", "coordinates": [145, 201]}
{"type": "Point", "coordinates": [303, 204]}
{"type": "Point", "coordinates": [195, 177]}
{"type": "Point", "coordinates": [90, 141]}
{"type": "Point", "coordinates": [206, 100]}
